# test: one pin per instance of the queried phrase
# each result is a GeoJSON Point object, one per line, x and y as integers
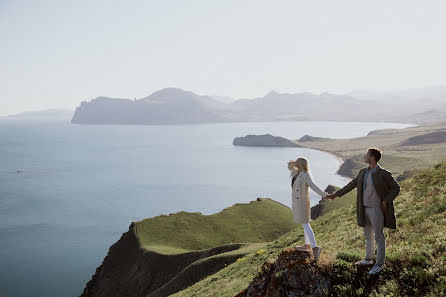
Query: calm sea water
{"type": "Point", "coordinates": [81, 186]}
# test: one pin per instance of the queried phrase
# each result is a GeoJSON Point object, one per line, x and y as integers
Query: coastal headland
{"type": "Point", "coordinates": [165, 254]}
{"type": "Point", "coordinates": [247, 249]}
{"type": "Point", "coordinates": [403, 149]}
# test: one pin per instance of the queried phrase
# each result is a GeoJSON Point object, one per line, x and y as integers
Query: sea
{"type": "Point", "coordinates": [68, 191]}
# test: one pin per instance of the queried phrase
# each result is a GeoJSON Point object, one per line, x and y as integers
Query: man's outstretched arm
{"type": "Point", "coordinates": [350, 186]}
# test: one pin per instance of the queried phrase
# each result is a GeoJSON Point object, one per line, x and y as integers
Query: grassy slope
{"type": "Point", "coordinates": [346, 200]}
{"type": "Point", "coordinates": [396, 157]}
{"type": "Point", "coordinates": [416, 251]}
{"type": "Point", "coordinates": [257, 221]}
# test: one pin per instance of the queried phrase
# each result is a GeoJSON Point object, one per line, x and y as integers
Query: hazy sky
{"type": "Point", "coordinates": [55, 54]}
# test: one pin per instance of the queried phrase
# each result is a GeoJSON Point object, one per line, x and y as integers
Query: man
{"type": "Point", "coordinates": [374, 206]}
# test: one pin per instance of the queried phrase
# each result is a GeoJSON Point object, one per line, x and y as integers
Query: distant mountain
{"type": "Point", "coordinates": [167, 106]}
{"type": "Point", "coordinates": [177, 106]}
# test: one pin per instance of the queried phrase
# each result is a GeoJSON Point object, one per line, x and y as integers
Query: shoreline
{"type": "Point", "coordinates": [340, 160]}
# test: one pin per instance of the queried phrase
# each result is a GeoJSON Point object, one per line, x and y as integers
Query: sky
{"type": "Point", "coordinates": [55, 54]}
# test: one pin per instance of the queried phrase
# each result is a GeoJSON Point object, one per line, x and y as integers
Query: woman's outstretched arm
{"type": "Point", "coordinates": [314, 187]}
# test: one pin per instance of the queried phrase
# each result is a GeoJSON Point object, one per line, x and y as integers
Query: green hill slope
{"type": "Point", "coordinates": [416, 250]}
{"type": "Point", "coordinates": [257, 221]}
{"type": "Point", "coordinates": [163, 255]}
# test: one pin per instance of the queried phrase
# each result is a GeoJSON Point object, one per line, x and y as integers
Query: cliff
{"type": "Point", "coordinates": [185, 248]}
{"type": "Point", "coordinates": [131, 270]}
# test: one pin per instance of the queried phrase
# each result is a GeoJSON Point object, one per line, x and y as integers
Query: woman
{"type": "Point", "coordinates": [300, 181]}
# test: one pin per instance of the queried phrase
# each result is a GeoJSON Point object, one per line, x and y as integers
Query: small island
{"type": "Point", "coordinates": [264, 140]}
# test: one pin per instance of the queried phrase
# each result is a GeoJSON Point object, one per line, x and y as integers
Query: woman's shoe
{"type": "Point", "coordinates": [316, 253]}
{"type": "Point", "coordinates": [303, 248]}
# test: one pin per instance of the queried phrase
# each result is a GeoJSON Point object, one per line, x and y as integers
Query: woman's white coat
{"type": "Point", "coordinates": [301, 198]}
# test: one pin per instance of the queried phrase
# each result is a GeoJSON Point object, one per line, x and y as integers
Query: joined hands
{"type": "Point", "coordinates": [331, 196]}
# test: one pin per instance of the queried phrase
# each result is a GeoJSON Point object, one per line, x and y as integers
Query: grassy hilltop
{"type": "Point", "coordinates": [416, 250]}
{"type": "Point", "coordinates": [254, 222]}
{"type": "Point", "coordinates": [165, 254]}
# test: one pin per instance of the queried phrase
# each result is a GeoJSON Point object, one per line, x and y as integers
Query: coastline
{"type": "Point", "coordinates": [340, 160]}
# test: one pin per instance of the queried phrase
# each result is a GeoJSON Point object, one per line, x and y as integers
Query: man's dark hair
{"type": "Point", "coordinates": [376, 153]}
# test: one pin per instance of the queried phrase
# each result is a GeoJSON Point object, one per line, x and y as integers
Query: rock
{"type": "Point", "coordinates": [292, 274]}
{"type": "Point", "coordinates": [264, 140]}
{"type": "Point", "coordinates": [348, 168]}
{"type": "Point", "coordinates": [318, 209]}
{"type": "Point", "coordinates": [331, 189]}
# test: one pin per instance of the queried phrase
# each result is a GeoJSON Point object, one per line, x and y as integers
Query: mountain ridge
{"type": "Point", "coordinates": [177, 106]}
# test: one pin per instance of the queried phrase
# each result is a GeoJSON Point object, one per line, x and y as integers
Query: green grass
{"type": "Point", "coordinates": [257, 221]}
{"type": "Point", "coordinates": [346, 200]}
{"type": "Point", "coordinates": [416, 250]}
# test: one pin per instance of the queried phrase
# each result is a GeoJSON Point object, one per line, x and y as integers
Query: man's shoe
{"type": "Point", "coordinates": [316, 253]}
{"type": "Point", "coordinates": [375, 270]}
{"type": "Point", "coordinates": [364, 262]}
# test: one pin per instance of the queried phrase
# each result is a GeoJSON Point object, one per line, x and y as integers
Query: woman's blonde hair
{"type": "Point", "coordinates": [303, 163]}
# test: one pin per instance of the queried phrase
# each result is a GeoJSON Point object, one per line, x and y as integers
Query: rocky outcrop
{"type": "Point", "coordinates": [129, 270]}
{"type": "Point", "coordinates": [264, 140]}
{"type": "Point", "coordinates": [292, 274]}
{"type": "Point", "coordinates": [349, 168]}
{"type": "Point", "coordinates": [318, 209]}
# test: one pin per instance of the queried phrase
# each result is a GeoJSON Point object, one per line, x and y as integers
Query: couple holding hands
{"type": "Point", "coordinates": [376, 190]}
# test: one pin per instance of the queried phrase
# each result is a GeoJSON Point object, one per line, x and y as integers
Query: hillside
{"type": "Point", "coordinates": [165, 254]}
{"type": "Point", "coordinates": [403, 149]}
{"type": "Point", "coordinates": [416, 251]}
